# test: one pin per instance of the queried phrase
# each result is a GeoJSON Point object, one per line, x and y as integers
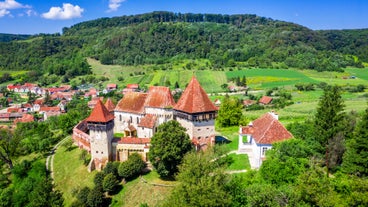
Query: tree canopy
{"type": "Point", "coordinates": [168, 146]}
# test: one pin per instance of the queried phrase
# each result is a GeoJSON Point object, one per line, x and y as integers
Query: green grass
{"type": "Point", "coordinates": [230, 133]}
{"type": "Point", "coordinates": [70, 173]}
{"type": "Point", "coordinates": [269, 78]}
{"type": "Point", "coordinates": [137, 191]}
{"type": "Point", "coordinates": [241, 162]}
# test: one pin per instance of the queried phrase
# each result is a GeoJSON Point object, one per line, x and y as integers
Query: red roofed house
{"type": "Point", "coordinates": [131, 88]}
{"type": "Point", "coordinates": [258, 137]}
{"type": "Point", "coordinates": [111, 86]}
{"type": "Point", "coordinates": [25, 118]}
{"type": "Point", "coordinates": [265, 100]}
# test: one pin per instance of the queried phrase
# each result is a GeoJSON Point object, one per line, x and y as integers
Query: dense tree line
{"type": "Point", "coordinates": [12, 37]}
{"type": "Point", "coordinates": [161, 37]}
{"type": "Point", "coordinates": [24, 180]}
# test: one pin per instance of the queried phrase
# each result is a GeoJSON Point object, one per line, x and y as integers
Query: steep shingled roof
{"type": "Point", "coordinates": [148, 121]}
{"type": "Point", "coordinates": [195, 99]}
{"type": "Point", "coordinates": [159, 97]}
{"type": "Point", "coordinates": [132, 102]}
{"type": "Point", "coordinates": [267, 130]}
{"type": "Point", "coordinates": [109, 105]}
{"type": "Point", "coordinates": [100, 114]}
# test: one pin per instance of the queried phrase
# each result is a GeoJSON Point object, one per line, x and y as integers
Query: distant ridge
{"type": "Point", "coordinates": [11, 37]}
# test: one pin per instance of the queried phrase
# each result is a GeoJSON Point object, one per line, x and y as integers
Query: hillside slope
{"type": "Point", "coordinates": [162, 37]}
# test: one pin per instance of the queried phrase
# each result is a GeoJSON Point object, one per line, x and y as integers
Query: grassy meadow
{"type": "Point", "coordinates": [70, 174]}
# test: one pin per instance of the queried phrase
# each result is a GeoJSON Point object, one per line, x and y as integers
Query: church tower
{"type": "Point", "coordinates": [100, 124]}
{"type": "Point", "coordinates": [195, 112]}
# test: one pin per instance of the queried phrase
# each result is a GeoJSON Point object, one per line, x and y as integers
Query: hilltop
{"type": "Point", "coordinates": [161, 38]}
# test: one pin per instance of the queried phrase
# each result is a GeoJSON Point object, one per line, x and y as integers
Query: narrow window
{"type": "Point", "coordinates": [264, 149]}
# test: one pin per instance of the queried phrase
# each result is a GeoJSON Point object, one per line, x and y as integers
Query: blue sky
{"type": "Point", "coordinates": [50, 16]}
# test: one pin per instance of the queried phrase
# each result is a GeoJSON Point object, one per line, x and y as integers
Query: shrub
{"type": "Point", "coordinates": [132, 167]}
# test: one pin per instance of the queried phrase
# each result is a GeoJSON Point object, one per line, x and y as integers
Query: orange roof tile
{"type": "Point", "coordinates": [134, 140]}
{"type": "Point", "coordinates": [100, 114]}
{"type": "Point", "coordinates": [267, 130]}
{"type": "Point", "coordinates": [111, 85]}
{"type": "Point", "coordinates": [195, 99]}
{"type": "Point", "coordinates": [132, 102]}
{"type": "Point", "coordinates": [159, 97]}
{"type": "Point", "coordinates": [133, 85]}
{"type": "Point", "coordinates": [25, 118]}
{"type": "Point", "coordinates": [49, 108]}
{"type": "Point", "coordinates": [109, 105]}
{"type": "Point", "coordinates": [265, 100]}
{"type": "Point", "coordinates": [148, 121]}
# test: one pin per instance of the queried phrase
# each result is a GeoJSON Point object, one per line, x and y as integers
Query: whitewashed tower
{"type": "Point", "coordinates": [100, 124]}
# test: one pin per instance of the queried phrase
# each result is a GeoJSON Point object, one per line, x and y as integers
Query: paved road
{"type": "Point", "coordinates": [50, 158]}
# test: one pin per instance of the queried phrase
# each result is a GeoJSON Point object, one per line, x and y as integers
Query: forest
{"type": "Point", "coordinates": [226, 41]}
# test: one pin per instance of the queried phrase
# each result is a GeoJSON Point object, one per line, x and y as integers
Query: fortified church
{"type": "Point", "coordinates": [137, 115]}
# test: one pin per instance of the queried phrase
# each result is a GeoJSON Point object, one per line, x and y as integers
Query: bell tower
{"type": "Point", "coordinates": [100, 124]}
{"type": "Point", "coordinates": [196, 112]}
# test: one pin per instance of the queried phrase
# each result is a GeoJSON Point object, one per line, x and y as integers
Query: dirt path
{"type": "Point", "coordinates": [50, 157]}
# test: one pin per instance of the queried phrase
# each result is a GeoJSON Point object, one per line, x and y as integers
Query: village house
{"type": "Point", "coordinates": [137, 115]}
{"type": "Point", "coordinates": [111, 87]}
{"type": "Point", "coordinates": [258, 137]}
{"type": "Point", "coordinates": [265, 100]}
{"type": "Point", "coordinates": [25, 118]}
{"type": "Point", "coordinates": [134, 87]}
{"type": "Point", "coordinates": [247, 103]}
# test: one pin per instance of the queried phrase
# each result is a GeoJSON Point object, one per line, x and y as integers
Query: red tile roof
{"type": "Point", "coordinates": [38, 101]}
{"type": "Point", "coordinates": [100, 114]}
{"type": "Point", "coordinates": [111, 85]}
{"type": "Point", "coordinates": [148, 121]}
{"type": "Point", "coordinates": [109, 105]}
{"type": "Point", "coordinates": [25, 118]}
{"type": "Point", "coordinates": [12, 110]}
{"type": "Point", "coordinates": [248, 102]}
{"type": "Point", "coordinates": [195, 99]}
{"type": "Point", "coordinates": [132, 102]}
{"type": "Point", "coordinates": [265, 100]}
{"type": "Point", "coordinates": [267, 130]}
{"type": "Point", "coordinates": [134, 140]}
{"type": "Point", "coordinates": [130, 128]}
{"type": "Point", "coordinates": [159, 97]}
{"type": "Point", "coordinates": [49, 109]}
{"type": "Point", "coordinates": [133, 86]}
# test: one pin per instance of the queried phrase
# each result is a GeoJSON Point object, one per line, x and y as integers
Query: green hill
{"type": "Point", "coordinates": [167, 40]}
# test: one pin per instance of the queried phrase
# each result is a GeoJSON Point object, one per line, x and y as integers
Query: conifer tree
{"type": "Point", "coordinates": [355, 160]}
{"type": "Point", "coordinates": [329, 124]}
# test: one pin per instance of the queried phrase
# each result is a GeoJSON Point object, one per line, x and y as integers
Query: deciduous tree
{"type": "Point", "coordinates": [230, 112]}
{"type": "Point", "coordinates": [168, 147]}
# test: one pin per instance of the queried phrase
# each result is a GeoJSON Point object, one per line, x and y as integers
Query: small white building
{"type": "Point", "coordinates": [258, 137]}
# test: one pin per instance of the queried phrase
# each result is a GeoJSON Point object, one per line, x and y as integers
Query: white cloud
{"type": "Point", "coordinates": [115, 4]}
{"type": "Point", "coordinates": [7, 5]}
{"type": "Point", "coordinates": [3, 12]}
{"type": "Point", "coordinates": [31, 12]}
{"type": "Point", "coordinates": [67, 12]}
